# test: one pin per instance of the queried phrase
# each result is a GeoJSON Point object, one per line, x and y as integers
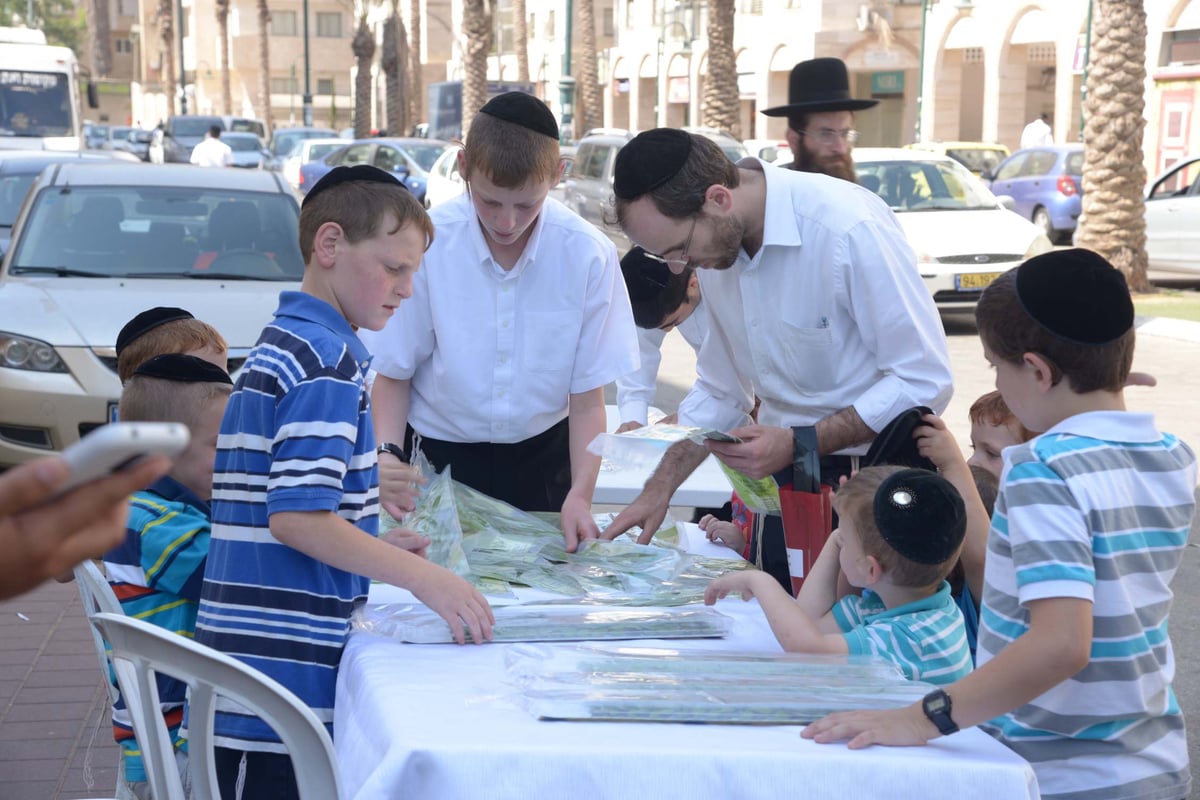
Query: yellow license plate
{"type": "Point", "coordinates": [973, 281]}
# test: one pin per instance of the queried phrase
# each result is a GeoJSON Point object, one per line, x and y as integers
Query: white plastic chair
{"type": "Point", "coordinates": [139, 650]}
{"type": "Point", "coordinates": [98, 597]}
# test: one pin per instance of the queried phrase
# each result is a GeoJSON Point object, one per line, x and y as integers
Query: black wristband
{"type": "Point", "coordinates": [394, 449]}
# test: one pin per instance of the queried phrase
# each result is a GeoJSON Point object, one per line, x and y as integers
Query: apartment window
{"type": "Point", "coordinates": [127, 8]}
{"type": "Point", "coordinates": [325, 86]}
{"type": "Point", "coordinates": [550, 24]}
{"type": "Point", "coordinates": [288, 85]}
{"type": "Point", "coordinates": [123, 46]}
{"type": "Point", "coordinates": [502, 36]}
{"type": "Point", "coordinates": [283, 23]}
{"type": "Point", "coordinates": [629, 15]}
{"type": "Point", "coordinates": [329, 24]}
{"type": "Point", "coordinates": [606, 19]}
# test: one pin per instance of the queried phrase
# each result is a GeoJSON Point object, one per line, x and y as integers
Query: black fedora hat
{"type": "Point", "coordinates": [821, 84]}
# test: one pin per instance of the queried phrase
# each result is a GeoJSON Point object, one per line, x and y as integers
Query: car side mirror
{"type": "Point", "coordinates": [1006, 201]}
{"type": "Point", "coordinates": [986, 175]}
{"type": "Point", "coordinates": [400, 171]}
{"type": "Point", "coordinates": [93, 95]}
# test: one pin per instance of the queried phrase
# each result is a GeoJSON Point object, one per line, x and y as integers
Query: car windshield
{"type": "Point", "coordinates": [160, 232]}
{"type": "Point", "coordinates": [424, 154]}
{"type": "Point", "coordinates": [925, 186]}
{"type": "Point", "coordinates": [977, 159]}
{"type": "Point", "coordinates": [286, 141]}
{"type": "Point", "coordinates": [194, 126]}
{"type": "Point", "coordinates": [317, 151]}
{"type": "Point", "coordinates": [242, 144]}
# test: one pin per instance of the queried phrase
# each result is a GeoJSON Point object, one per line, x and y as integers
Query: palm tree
{"type": "Point", "coordinates": [1113, 220]}
{"type": "Point", "coordinates": [264, 65]}
{"type": "Point", "coordinates": [223, 37]}
{"type": "Point", "coordinates": [416, 82]}
{"type": "Point", "coordinates": [165, 14]}
{"type": "Point", "coordinates": [363, 46]}
{"type": "Point", "coordinates": [521, 39]}
{"type": "Point", "coordinates": [394, 61]}
{"type": "Point", "coordinates": [591, 108]}
{"type": "Point", "coordinates": [721, 104]}
{"type": "Point", "coordinates": [477, 33]}
{"type": "Point", "coordinates": [97, 12]}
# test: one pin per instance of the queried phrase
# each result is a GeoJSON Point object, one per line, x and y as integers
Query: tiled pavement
{"type": "Point", "coordinates": [55, 735]}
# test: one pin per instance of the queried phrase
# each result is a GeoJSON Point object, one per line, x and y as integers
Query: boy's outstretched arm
{"type": "Point", "coordinates": [793, 629]}
{"type": "Point", "coordinates": [1056, 646]}
{"type": "Point", "coordinates": [332, 540]}
{"type": "Point", "coordinates": [935, 442]}
{"type": "Point", "coordinates": [586, 420]}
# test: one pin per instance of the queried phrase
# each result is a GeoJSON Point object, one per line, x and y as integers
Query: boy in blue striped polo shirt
{"type": "Point", "coordinates": [899, 535]}
{"type": "Point", "coordinates": [1075, 662]}
{"type": "Point", "coordinates": [157, 571]}
{"type": "Point", "coordinates": [295, 504]}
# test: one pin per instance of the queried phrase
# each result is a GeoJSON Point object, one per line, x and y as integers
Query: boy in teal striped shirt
{"type": "Point", "coordinates": [157, 572]}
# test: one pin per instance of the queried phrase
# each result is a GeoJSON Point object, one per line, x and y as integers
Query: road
{"type": "Point", "coordinates": [1165, 349]}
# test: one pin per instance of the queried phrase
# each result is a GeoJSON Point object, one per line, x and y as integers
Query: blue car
{"type": "Point", "coordinates": [1044, 183]}
{"type": "Point", "coordinates": [410, 160]}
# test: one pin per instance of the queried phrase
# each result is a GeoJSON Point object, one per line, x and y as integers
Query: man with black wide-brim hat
{"type": "Point", "coordinates": [820, 114]}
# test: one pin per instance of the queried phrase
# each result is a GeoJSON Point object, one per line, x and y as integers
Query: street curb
{"type": "Point", "coordinates": [1167, 328]}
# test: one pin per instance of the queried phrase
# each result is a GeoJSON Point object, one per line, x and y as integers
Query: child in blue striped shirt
{"type": "Point", "coordinates": [899, 535]}
{"type": "Point", "coordinates": [158, 570]}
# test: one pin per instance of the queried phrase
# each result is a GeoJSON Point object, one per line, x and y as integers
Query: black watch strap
{"type": "Point", "coordinates": [937, 707]}
{"type": "Point", "coordinates": [394, 449]}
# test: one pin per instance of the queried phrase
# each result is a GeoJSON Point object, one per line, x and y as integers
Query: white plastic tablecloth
{"type": "Point", "coordinates": [440, 721]}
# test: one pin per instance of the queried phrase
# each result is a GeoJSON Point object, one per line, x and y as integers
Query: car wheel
{"type": "Point", "coordinates": [1041, 218]}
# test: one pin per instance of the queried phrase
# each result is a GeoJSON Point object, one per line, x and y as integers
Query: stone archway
{"type": "Point", "coordinates": [1028, 74]}
{"type": "Point", "coordinates": [958, 73]}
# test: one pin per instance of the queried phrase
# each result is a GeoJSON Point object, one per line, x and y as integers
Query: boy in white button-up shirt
{"type": "Point", "coordinates": [518, 320]}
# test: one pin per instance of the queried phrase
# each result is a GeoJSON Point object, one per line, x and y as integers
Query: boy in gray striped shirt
{"type": "Point", "coordinates": [1075, 663]}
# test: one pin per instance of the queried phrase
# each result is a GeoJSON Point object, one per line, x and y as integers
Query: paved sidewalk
{"type": "Point", "coordinates": [55, 737]}
{"type": "Point", "coordinates": [55, 734]}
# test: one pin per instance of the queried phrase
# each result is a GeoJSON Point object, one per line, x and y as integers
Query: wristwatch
{"type": "Point", "coordinates": [394, 449]}
{"type": "Point", "coordinates": [936, 706]}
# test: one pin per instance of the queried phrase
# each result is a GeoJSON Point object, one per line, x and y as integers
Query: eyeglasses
{"type": "Point", "coordinates": [830, 136]}
{"type": "Point", "coordinates": [683, 259]}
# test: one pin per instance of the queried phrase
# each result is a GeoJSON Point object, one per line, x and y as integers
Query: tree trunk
{"type": "Point", "coordinates": [591, 104]}
{"type": "Point", "coordinates": [166, 50]}
{"type": "Point", "coordinates": [1113, 221]}
{"type": "Point", "coordinates": [394, 64]}
{"type": "Point", "coordinates": [101, 46]}
{"type": "Point", "coordinates": [416, 78]}
{"type": "Point", "coordinates": [521, 39]}
{"type": "Point", "coordinates": [363, 46]}
{"type": "Point", "coordinates": [264, 66]}
{"type": "Point", "coordinates": [721, 105]}
{"type": "Point", "coordinates": [477, 33]}
{"type": "Point", "coordinates": [223, 43]}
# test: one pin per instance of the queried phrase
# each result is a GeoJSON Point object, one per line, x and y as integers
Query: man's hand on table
{"type": "Point", "coordinates": [648, 510]}
{"type": "Point", "coordinates": [577, 522]}
{"type": "Point", "coordinates": [764, 450]}
{"type": "Point", "coordinates": [906, 726]}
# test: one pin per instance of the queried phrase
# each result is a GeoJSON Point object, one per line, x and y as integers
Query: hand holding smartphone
{"type": "Point", "coordinates": [113, 447]}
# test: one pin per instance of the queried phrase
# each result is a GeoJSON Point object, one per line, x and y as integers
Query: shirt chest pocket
{"type": "Point", "coordinates": [549, 340]}
{"type": "Point", "coordinates": [809, 356]}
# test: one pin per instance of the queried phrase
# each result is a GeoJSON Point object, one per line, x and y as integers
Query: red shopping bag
{"type": "Point", "coordinates": [807, 523]}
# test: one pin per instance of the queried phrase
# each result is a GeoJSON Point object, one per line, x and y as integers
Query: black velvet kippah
{"type": "Point", "coordinates": [649, 160]}
{"type": "Point", "coordinates": [921, 515]}
{"type": "Point", "coordinates": [1076, 295]}
{"type": "Point", "coordinates": [645, 277]}
{"type": "Point", "coordinates": [183, 368]}
{"type": "Point", "coordinates": [147, 321]}
{"type": "Point", "coordinates": [525, 110]}
{"type": "Point", "coordinates": [359, 172]}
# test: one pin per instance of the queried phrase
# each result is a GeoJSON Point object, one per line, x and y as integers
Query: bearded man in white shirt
{"type": "Point", "coordinates": [815, 306]}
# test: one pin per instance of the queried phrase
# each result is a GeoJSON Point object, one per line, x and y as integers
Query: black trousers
{"type": "Point", "coordinates": [532, 475]}
{"type": "Point", "coordinates": [769, 527]}
{"type": "Point", "coordinates": [269, 776]}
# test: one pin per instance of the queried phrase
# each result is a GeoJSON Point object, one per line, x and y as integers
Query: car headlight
{"type": "Point", "coordinates": [1039, 245]}
{"type": "Point", "coordinates": [20, 352]}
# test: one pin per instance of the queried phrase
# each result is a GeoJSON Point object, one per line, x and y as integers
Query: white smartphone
{"type": "Point", "coordinates": [113, 447]}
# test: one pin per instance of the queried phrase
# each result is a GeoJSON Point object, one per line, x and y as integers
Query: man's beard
{"type": "Point", "coordinates": [727, 234]}
{"type": "Point", "coordinates": [835, 167]}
